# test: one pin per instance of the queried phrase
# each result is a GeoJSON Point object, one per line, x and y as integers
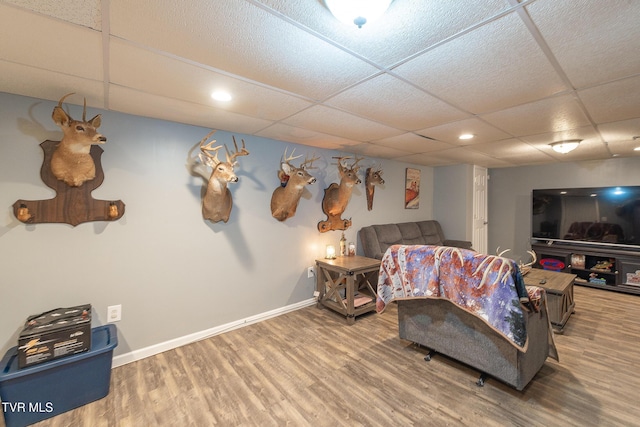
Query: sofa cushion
{"type": "Point", "coordinates": [411, 234]}
{"type": "Point", "coordinates": [431, 232]}
{"type": "Point", "coordinates": [387, 235]}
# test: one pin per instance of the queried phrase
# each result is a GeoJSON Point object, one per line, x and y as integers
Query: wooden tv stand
{"type": "Point", "coordinates": [623, 274]}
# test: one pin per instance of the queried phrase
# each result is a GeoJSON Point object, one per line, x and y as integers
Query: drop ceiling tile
{"type": "Point", "coordinates": [623, 130]}
{"type": "Point", "coordinates": [512, 150]}
{"type": "Point", "coordinates": [388, 100]}
{"type": "Point", "coordinates": [373, 150]}
{"type": "Point", "coordinates": [43, 84]}
{"type": "Point", "coordinates": [307, 137]}
{"type": "Point", "coordinates": [412, 143]}
{"type": "Point", "coordinates": [425, 159]}
{"type": "Point", "coordinates": [87, 13]}
{"type": "Point", "coordinates": [150, 72]}
{"type": "Point", "coordinates": [470, 157]}
{"type": "Point", "coordinates": [484, 70]}
{"type": "Point", "coordinates": [408, 26]}
{"type": "Point", "coordinates": [50, 44]}
{"type": "Point", "coordinates": [555, 114]}
{"type": "Point", "coordinates": [613, 101]}
{"type": "Point", "coordinates": [143, 104]}
{"type": "Point", "coordinates": [334, 122]}
{"type": "Point", "coordinates": [451, 132]}
{"type": "Point", "coordinates": [240, 38]}
{"type": "Point", "coordinates": [594, 41]}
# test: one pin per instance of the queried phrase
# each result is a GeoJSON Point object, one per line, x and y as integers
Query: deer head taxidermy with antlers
{"type": "Point", "coordinates": [285, 198]}
{"type": "Point", "coordinates": [372, 178]}
{"type": "Point", "coordinates": [71, 161]}
{"type": "Point", "coordinates": [336, 196]}
{"type": "Point", "coordinates": [217, 202]}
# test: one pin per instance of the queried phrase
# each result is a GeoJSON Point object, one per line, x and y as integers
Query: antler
{"type": "Point", "coordinates": [533, 261]}
{"type": "Point", "coordinates": [287, 159]}
{"type": "Point", "coordinates": [207, 149]}
{"type": "Point", "coordinates": [232, 157]}
{"type": "Point", "coordinates": [353, 166]}
{"type": "Point", "coordinates": [309, 162]}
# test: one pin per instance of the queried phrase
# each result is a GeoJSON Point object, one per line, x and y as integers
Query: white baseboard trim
{"type": "Point", "coordinates": [142, 353]}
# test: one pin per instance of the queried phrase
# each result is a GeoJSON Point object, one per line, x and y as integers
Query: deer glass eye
{"type": "Point", "coordinates": [79, 128]}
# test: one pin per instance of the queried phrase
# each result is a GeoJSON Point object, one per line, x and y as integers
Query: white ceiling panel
{"type": "Point", "coordinates": [240, 38]}
{"type": "Point", "coordinates": [484, 70]}
{"type": "Point", "coordinates": [517, 74]}
{"type": "Point", "coordinates": [619, 100]}
{"type": "Point", "coordinates": [551, 114]}
{"type": "Point", "coordinates": [337, 122]}
{"type": "Point", "coordinates": [450, 132]}
{"type": "Point", "coordinates": [413, 143]}
{"type": "Point", "coordinates": [594, 41]}
{"type": "Point", "coordinates": [144, 104]}
{"type": "Point", "coordinates": [302, 136]}
{"type": "Point", "coordinates": [389, 100]}
{"type": "Point", "coordinates": [56, 45]}
{"type": "Point", "coordinates": [44, 84]}
{"type": "Point", "coordinates": [161, 75]}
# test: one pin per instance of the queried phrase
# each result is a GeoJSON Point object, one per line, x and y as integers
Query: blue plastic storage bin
{"type": "Point", "coordinates": [42, 391]}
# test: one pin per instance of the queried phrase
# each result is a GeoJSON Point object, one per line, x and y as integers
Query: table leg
{"type": "Point", "coordinates": [350, 290]}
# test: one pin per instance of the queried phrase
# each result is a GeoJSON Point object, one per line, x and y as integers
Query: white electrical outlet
{"type": "Point", "coordinates": [114, 313]}
{"type": "Point", "coordinates": [310, 272]}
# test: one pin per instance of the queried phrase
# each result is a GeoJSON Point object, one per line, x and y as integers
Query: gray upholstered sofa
{"type": "Point", "coordinates": [443, 327]}
{"type": "Point", "coordinates": [376, 239]}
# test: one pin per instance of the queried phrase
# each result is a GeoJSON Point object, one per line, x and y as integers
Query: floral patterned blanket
{"type": "Point", "coordinates": [488, 286]}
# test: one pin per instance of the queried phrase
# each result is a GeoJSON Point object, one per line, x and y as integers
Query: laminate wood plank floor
{"type": "Point", "coordinates": [308, 368]}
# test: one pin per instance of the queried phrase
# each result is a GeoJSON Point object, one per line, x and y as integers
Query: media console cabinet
{"type": "Point", "coordinates": [610, 268]}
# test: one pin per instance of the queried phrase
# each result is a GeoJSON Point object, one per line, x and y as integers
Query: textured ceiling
{"type": "Point", "coordinates": [516, 74]}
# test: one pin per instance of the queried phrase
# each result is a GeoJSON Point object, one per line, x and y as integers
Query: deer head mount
{"type": "Point", "coordinates": [285, 198]}
{"type": "Point", "coordinates": [372, 178]}
{"type": "Point", "coordinates": [71, 161]}
{"type": "Point", "coordinates": [217, 202]}
{"type": "Point", "coordinates": [336, 196]}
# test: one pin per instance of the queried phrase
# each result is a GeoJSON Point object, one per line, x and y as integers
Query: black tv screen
{"type": "Point", "coordinates": [604, 215]}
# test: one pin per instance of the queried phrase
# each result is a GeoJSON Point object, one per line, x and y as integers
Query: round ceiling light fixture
{"type": "Point", "coordinates": [466, 136]}
{"type": "Point", "coordinates": [221, 95]}
{"type": "Point", "coordinates": [357, 12]}
{"type": "Point", "coordinates": [565, 146]}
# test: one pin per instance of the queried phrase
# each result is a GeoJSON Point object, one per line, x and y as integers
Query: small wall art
{"type": "Point", "coordinates": [412, 189]}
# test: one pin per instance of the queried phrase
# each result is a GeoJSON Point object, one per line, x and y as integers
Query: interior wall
{"type": "Point", "coordinates": [453, 200]}
{"type": "Point", "coordinates": [174, 273]}
{"type": "Point", "coordinates": [510, 194]}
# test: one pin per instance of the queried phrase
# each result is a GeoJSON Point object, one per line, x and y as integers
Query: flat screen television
{"type": "Point", "coordinates": [600, 216]}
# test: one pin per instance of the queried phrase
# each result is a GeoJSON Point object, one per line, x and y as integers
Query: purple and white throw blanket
{"type": "Point", "coordinates": [487, 286]}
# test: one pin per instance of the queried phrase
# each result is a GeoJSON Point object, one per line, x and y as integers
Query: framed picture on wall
{"type": "Point", "coordinates": [412, 189]}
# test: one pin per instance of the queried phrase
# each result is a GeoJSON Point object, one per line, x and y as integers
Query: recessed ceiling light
{"type": "Point", "coordinates": [221, 95]}
{"type": "Point", "coordinates": [636, 149]}
{"type": "Point", "coordinates": [466, 136]}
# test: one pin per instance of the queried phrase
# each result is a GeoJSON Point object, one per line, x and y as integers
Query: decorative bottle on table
{"type": "Point", "coordinates": [343, 245]}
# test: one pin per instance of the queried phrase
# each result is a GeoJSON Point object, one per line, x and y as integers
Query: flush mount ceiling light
{"type": "Point", "coordinates": [466, 136]}
{"type": "Point", "coordinates": [565, 146]}
{"type": "Point", "coordinates": [220, 95]}
{"type": "Point", "coordinates": [357, 12]}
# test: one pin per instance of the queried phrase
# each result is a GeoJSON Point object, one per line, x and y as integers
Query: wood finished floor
{"type": "Point", "coordinates": [309, 368]}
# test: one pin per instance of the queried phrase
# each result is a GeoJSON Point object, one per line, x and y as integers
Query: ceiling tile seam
{"type": "Point", "coordinates": [213, 69]}
{"type": "Point", "coordinates": [106, 31]}
{"type": "Point", "coordinates": [44, 15]}
{"type": "Point", "coordinates": [461, 33]}
{"type": "Point", "coordinates": [60, 73]}
{"type": "Point", "coordinates": [546, 50]}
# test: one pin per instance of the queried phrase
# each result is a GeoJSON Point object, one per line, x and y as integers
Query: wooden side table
{"type": "Point", "coordinates": [559, 287]}
{"type": "Point", "coordinates": [348, 274]}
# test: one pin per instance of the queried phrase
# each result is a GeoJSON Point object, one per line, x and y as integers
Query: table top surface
{"type": "Point", "coordinates": [555, 280]}
{"type": "Point", "coordinates": [350, 263]}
